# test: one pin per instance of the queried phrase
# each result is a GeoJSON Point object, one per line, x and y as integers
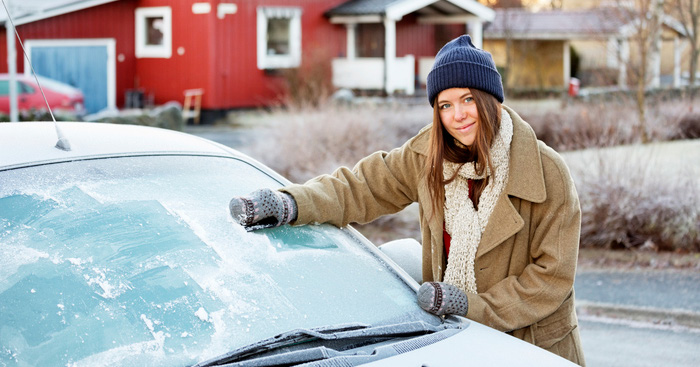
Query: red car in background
{"type": "Point", "coordinates": [62, 97]}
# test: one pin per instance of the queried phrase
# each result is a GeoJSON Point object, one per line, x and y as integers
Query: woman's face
{"type": "Point", "coordinates": [458, 114]}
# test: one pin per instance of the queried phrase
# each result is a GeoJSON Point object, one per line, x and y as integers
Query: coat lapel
{"type": "Point", "coordinates": [525, 174]}
{"type": "Point", "coordinates": [505, 221]}
{"type": "Point", "coordinates": [525, 181]}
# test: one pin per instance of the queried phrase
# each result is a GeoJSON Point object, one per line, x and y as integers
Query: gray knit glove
{"type": "Point", "coordinates": [442, 299]}
{"type": "Point", "coordinates": [263, 208]}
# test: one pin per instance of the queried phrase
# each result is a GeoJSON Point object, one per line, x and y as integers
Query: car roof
{"type": "Point", "coordinates": [31, 143]}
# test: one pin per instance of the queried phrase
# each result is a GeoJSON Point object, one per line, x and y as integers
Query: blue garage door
{"type": "Point", "coordinates": [84, 67]}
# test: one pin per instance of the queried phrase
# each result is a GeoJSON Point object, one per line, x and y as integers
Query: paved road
{"type": "Point", "coordinates": [642, 288]}
{"type": "Point", "coordinates": [607, 344]}
{"type": "Point", "coordinates": [612, 338]}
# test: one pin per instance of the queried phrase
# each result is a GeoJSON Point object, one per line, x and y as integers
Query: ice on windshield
{"type": "Point", "coordinates": [137, 261]}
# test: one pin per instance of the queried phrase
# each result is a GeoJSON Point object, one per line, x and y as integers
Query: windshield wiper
{"type": "Point", "coordinates": [352, 332]}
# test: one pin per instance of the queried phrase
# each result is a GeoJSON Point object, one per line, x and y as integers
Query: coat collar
{"type": "Point", "coordinates": [525, 176]}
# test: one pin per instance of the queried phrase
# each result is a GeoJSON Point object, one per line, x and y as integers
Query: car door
{"type": "Point", "coordinates": [29, 98]}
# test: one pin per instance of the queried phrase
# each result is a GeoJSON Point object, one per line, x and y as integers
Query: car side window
{"type": "Point", "coordinates": [25, 88]}
{"type": "Point", "coordinates": [22, 88]}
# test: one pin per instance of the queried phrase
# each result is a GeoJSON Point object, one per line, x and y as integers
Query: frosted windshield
{"type": "Point", "coordinates": [136, 261]}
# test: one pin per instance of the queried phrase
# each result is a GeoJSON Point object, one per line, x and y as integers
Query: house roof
{"type": "Point", "coordinates": [555, 24]}
{"type": "Point", "coordinates": [399, 8]}
{"type": "Point", "coordinates": [562, 25]}
{"type": "Point", "coordinates": [360, 7]}
{"type": "Point", "coordinates": [27, 11]}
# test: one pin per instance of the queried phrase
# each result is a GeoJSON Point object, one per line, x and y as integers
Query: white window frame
{"type": "Point", "coordinates": [292, 60]}
{"type": "Point", "coordinates": [154, 51]}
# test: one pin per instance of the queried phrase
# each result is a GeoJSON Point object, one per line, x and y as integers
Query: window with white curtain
{"type": "Point", "coordinates": [279, 37]}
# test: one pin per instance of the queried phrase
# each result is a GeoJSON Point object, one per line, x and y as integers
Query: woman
{"type": "Point", "coordinates": [500, 217]}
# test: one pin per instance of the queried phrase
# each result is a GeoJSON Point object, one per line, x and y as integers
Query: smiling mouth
{"type": "Point", "coordinates": [465, 127]}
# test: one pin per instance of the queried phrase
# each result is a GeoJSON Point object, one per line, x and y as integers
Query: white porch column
{"type": "Point", "coordinates": [624, 53]}
{"type": "Point", "coordinates": [389, 54]}
{"type": "Point", "coordinates": [475, 28]}
{"type": "Point", "coordinates": [676, 62]}
{"type": "Point", "coordinates": [655, 63]}
{"type": "Point", "coordinates": [351, 30]}
{"type": "Point", "coordinates": [567, 64]}
{"type": "Point", "coordinates": [655, 49]}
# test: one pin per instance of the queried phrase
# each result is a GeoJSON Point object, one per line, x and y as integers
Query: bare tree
{"type": "Point", "coordinates": [509, 23]}
{"type": "Point", "coordinates": [644, 25]}
{"type": "Point", "coordinates": [688, 13]}
{"type": "Point", "coordinates": [556, 4]}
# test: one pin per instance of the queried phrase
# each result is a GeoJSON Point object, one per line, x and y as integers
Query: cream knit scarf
{"type": "Point", "coordinates": [465, 224]}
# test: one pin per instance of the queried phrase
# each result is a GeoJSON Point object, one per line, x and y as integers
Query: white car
{"type": "Point", "coordinates": [121, 252]}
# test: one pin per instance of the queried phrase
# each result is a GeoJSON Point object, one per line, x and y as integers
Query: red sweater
{"type": "Point", "coordinates": [446, 238]}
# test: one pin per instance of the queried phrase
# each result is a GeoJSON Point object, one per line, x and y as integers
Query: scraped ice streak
{"type": "Point", "coordinates": [109, 291]}
{"type": "Point", "coordinates": [15, 255]}
{"type": "Point", "coordinates": [234, 258]}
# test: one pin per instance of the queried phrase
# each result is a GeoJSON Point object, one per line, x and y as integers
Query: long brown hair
{"type": "Point", "coordinates": [443, 147]}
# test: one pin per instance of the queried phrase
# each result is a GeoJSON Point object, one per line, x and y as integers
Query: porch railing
{"type": "Point", "coordinates": [368, 73]}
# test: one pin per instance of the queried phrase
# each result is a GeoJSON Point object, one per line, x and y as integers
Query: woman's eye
{"type": "Point", "coordinates": [469, 99]}
{"type": "Point", "coordinates": [445, 106]}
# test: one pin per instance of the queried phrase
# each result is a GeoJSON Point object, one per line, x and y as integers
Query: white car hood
{"type": "Point", "coordinates": [474, 346]}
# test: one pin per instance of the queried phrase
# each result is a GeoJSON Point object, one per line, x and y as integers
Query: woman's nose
{"type": "Point", "coordinates": [460, 114]}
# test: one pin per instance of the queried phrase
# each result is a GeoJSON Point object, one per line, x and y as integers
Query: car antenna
{"type": "Point", "coordinates": [63, 142]}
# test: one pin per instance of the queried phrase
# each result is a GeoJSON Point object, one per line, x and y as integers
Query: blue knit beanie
{"type": "Point", "coordinates": [459, 64]}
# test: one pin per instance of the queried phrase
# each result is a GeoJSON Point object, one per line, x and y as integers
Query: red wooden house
{"type": "Point", "coordinates": [232, 49]}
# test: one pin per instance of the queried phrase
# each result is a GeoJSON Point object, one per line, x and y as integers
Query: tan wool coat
{"type": "Point", "coordinates": [526, 260]}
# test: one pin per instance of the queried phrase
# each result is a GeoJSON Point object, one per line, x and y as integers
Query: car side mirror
{"type": "Point", "coordinates": [407, 254]}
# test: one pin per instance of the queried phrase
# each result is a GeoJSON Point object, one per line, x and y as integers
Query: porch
{"type": "Point", "coordinates": [387, 71]}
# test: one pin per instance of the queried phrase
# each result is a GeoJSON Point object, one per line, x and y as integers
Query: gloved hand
{"type": "Point", "coordinates": [442, 299]}
{"type": "Point", "coordinates": [263, 208]}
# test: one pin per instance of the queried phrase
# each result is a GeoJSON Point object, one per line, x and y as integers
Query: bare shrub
{"type": "Point", "coordinates": [310, 84]}
{"type": "Point", "coordinates": [581, 125]}
{"type": "Point", "coordinates": [630, 201]}
{"type": "Point", "coordinates": [303, 143]}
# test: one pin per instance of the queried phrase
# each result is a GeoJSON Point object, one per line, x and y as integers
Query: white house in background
{"type": "Point", "coordinates": [391, 44]}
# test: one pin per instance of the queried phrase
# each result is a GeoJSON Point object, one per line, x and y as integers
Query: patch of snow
{"type": "Point", "coordinates": [202, 314]}
{"type": "Point", "coordinates": [109, 291]}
